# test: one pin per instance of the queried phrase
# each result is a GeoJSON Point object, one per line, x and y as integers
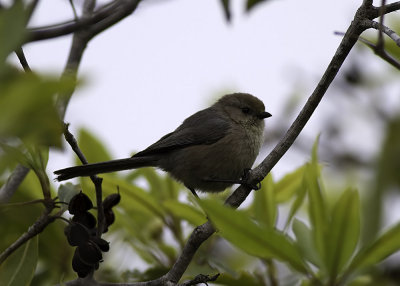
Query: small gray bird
{"type": "Point", "coordinates": [210, 151]}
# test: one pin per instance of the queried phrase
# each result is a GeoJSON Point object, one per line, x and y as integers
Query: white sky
{"type": "Point", "coordinates": [172, 58]}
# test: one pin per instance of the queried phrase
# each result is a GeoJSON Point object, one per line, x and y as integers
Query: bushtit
{"type": "Point", "coordinates": [209, 151]}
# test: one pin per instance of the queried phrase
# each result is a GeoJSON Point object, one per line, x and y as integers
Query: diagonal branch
{"type": "Point", "coordinates": [97, 181]}
{"type": "Point", "coordinates": [37, 227]}
{"type": "Point", "coordinates": [392, 7]}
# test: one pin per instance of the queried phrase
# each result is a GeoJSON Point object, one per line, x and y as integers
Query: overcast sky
{"type": "Point", "coordinates": [172, 58]}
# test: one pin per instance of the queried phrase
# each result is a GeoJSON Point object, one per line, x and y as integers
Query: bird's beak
{"type": "Point", "coordinates": [264, 115]}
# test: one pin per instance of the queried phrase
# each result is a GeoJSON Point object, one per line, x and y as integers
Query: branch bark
{"type": "Point", "coordinates": [39, 225]}
{"type": "Point", "coordinates": [98, 21]}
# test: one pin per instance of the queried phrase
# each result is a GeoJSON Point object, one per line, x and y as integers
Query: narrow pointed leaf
{"type": "Point", "coordinates": [287, 187]}
{"type": "Point", "coordinates": [186, 212]}
{"type": "Point", "coordinates": [304, 241]}
{"type": "Point", "coordinates": [92, 147]}
{"type": "Point", "coordinates": [19, 268]}
{"type": "Point", "coordinates": [264, 204]}
{"type": "Point", "coordinates": [317, 209]}
{"type": "Point", "coordinates": [344, 232]}
{"type": "Point", "coordinates": [227, 9]}
{"type": "Point", "coordinates": [245, 234]}
{"type": "Point", "coordinates": [387, 244]}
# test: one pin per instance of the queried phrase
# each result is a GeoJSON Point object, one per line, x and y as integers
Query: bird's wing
{"type": "Point", "coordinates": [203, 127]}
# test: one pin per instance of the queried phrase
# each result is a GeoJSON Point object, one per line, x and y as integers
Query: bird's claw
{"type": "Point", "coordinates": [244, 180]}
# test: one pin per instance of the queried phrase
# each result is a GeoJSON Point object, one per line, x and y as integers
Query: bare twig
{"type": "Point", "coordinates": [33, 230]}
{"type": "Point", "coordinates": [107, 15]}
{"type": "Point", "coordinates": [97, 181]}
{"type": "Point", "coordinates": [379, 52]}
{"type": "Point", "coordinates": [382, 28]}
{"type": "Point", "coordinates": [22, 59]}
{"type": "Point", "coordinates": [392, 7]}
{"type": "Point", "coordinates": [200, 279]}
{"type": "Point", "coordinates": [381, 42]}
{"type": "Point", "coordinates": [71, 2]}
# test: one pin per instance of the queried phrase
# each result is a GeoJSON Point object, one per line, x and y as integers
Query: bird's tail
{"type": "Point", "coordinates": [104, 167]}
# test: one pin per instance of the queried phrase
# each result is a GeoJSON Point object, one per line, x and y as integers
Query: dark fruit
{"type": "Point", "coordinates": [77, 234]}
{"type": "Point", "coordinates": [85, 218]}
{"type": "Point", "coordinates": [79, 266]}
{"type": "Point", "coordinates": [79, 203]}
{"type": "Point", "coordinates": [90, 253]}
{"type": "Point", "coordinates": [101, 243]}
{"type": "Point", "coordinates": [111, 201]}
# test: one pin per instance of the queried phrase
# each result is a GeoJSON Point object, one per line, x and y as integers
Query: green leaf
{"type": "Point", "coordinates": [387, 244]}
{"type": "Point", "coordinates": [301, 194]}
{"type": "Point", "coordinates": [289, 185]}
{"type": "Point", "coordinates": [92, 147]}
{"type": "Point", "coordinates": [65, 194]}
{"type": "Point", "coordinates": [37, 158]}
{"type": "Point", "coordinates": [186, 212]}
{"type": "Point", "coordinates": [12, 30]}
{"type": "Point", "coordinates": [138, 198]}
{"type": "Point", "coordinates": [317, 208]}
{"type": "Point", "coordinates": [314, 152]}
{"type": "Point", "coordinates": [344, 232]}
{"type": "Point", "coordinates": [27, 108]}
{"type": "Point", "coordinates": [19, 268]}
{"type": "Point", "coordinates": [243, 279]}
{"type": "Point", "coordinates": [264, 205]}
{"type": "Point", "coordinates": [251, 3]}
{"type": "Point", "coordinates": [305, 242]}
{"type": "Point", "coordinates": [227, 10]}
{"type": "Point", "coordinates": [245, 234]}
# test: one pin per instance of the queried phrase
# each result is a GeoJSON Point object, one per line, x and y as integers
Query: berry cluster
{"type": "Point", "coordinates": [81, 232]}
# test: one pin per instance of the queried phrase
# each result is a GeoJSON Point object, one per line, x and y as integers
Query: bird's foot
{"type": "Point", "coordinates": [242, 181]}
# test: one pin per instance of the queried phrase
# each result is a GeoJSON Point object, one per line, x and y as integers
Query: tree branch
{"type": "Point", "coordinates": [38, 226]}
{"type": "Point", "coordinates": [392, 7]}
{"type": "Point", "coordinates": [389, 32]}
{"type": "Point", "coordinates": [22, 59]}
{"type": "Point", "coordinates": [105, 16]}
{"type": "Point", "coordinates": [97, 181]}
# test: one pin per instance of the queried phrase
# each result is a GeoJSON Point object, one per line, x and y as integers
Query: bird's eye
{"type": "Point", "coordinates": [246, 110]}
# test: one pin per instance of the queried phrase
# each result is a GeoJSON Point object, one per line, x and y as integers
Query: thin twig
{"type": "Point", "coordinates": [68, 27]}
{"type": "Point", "coordinates": [392, 7]}
{"type": "Point", "coordinates": [200, 279]}
{"type": "Point", "coordinates": [381, 42]}
{"type": "Point", "coordinates": [380, 53]}
{"type": "Point", "coordinates": [71, 2]}
{"type": "Point", "coordinates": [97, 181]}
{"type": "Point", "coordinates": [389, 32]}
{"type": "Point", "coordinates": [23, 203]}
{"type": "Point", "coordinates": [22, 59]}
